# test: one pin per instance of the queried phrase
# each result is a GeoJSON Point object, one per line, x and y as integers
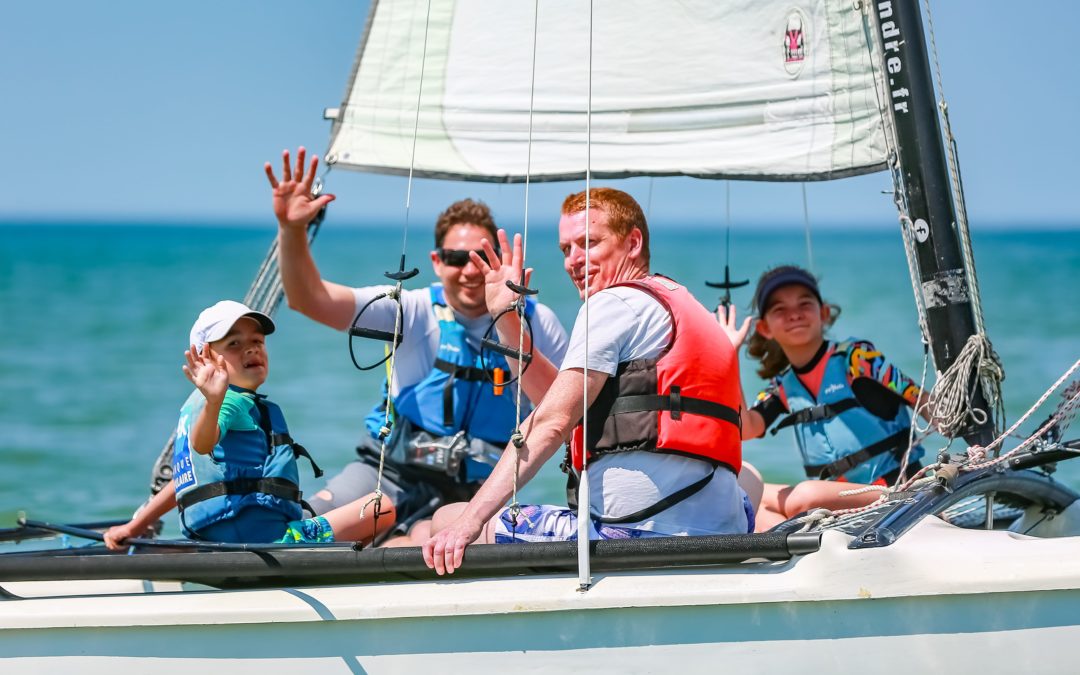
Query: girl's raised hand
{"type": "Point", "coordinates": [729, 323]}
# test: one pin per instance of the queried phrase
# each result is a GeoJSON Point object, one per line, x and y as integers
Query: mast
{"type": "Point", "coordinates": [912, 105]}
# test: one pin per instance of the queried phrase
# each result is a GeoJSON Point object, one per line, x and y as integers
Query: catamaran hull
{"type": "Point", "coordinates": [984, 632]}
{"type": "Point", "coordinates": [941, 598]}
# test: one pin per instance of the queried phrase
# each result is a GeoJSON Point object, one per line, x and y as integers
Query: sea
{"type": "Point", "coordinates": [95, 320]}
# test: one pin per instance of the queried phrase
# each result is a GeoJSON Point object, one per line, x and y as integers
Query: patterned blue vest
{"type": "Point", "coordinates": [837, 436]}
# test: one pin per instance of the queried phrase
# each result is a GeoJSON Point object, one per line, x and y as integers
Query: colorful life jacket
{"type": "Point", "coordinates": [210, 488]}
{"type": "Point", "coordinates": [457, 395]}
{"type": "Point", "coordinates": [684, 402]}
{"type": "Point", "coordinates": [837, 436]}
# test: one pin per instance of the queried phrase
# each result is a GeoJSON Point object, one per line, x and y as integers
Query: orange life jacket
{"type": "Point", "coordinates": [684, 402]}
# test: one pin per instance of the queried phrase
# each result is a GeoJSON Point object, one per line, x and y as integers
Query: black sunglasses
{"type": "Point", "coordinates": [458, 258]}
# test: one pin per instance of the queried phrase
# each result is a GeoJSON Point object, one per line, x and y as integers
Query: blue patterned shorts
{"type": "Point", "coordinates": [559, 523]}
{"type": "Point", "coordinates": [315, 530]}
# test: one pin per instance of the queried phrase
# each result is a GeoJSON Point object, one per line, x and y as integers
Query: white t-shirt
{"type": "Point", "coordinates": [626, 324]}
{"type": "Point", "coordinates": [420, 332]}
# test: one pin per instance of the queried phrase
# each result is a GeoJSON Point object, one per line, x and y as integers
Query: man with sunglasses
{"type": "Point", "coordinates": [449, 420]}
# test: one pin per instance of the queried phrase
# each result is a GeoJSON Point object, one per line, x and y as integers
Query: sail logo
{"type": "Point", "coordinates": [794, 42]}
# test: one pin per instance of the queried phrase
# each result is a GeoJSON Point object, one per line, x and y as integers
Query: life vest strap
{"type": "Point", "coordinates": [275, 487]}
{"type": "Point", "coordinates": [467, 373]}
{"type": "Point", "coordinates": [662, 505]}
{"type": "Point", "coordinates": [816, 414]}
{"type": "Point", "coordinates": [298, 451]}
{"type": "Point", "coordinates": [676, 404]}
{"type": "Point", "coordinates": [643, 514]}
{"type": "Point", "coordinates": [895, 443]}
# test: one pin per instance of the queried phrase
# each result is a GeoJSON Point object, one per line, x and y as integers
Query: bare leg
{"type": "Point", "coordinates": [420, 532]}
{"type": "Point", "coordinates": [356, 521]}
{"type": "Point", "coordinates": [771, 512]}
{"type": "Point", "coordinates": [752, 484]}
{"type": "Point", "coordinates": [825, 494]}
{"type": "Point", "coordinates": [446, 515]}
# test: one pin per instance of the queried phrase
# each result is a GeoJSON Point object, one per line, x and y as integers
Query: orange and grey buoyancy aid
{"type": "Point", "coordinates": [684, 402]}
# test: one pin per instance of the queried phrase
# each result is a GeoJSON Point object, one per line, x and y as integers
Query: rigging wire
{"type": "Point", "coordinates": [988, 369]}
{"type": "Point", "coordinates": [517, 438]}
{"type": "Point", "coordinates": [584, 575]}
{"type": "Point", "coordinates": [395, 294]}
{"type": "Point", "coordinates": [806, 227]}
{"type": "Point", "coordinates": [727, 223]}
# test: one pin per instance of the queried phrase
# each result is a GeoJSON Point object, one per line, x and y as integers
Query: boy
{"type": "Point", "coordinates": [235, 474]}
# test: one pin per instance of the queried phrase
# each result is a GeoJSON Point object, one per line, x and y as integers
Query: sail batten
{"type": "Point", "coordinates": [750, 90]}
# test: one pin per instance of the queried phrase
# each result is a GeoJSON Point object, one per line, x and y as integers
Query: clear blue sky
{"type": "Point", "coordinates": [146, 111]}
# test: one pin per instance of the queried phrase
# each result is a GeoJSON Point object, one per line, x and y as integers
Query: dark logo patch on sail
{"type": "Point", "coordinates": [794, 42]}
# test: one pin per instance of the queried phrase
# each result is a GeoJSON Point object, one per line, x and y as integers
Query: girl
{"type": "Point", "coordinates": [847, 405]}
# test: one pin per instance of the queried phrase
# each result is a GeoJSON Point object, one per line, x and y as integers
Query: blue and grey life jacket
{"type": "Point", "coordinates": [247, 469]}
{"type": "Point", "coordinates": [837, 436]}
{"type": "Point", "coordinates": [456, 396]}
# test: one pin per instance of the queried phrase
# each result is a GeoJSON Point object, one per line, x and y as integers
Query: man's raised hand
{"type": "Point", "coordinates": [294, 205]}
{"type": "Point", "coordinates": [499, 269]}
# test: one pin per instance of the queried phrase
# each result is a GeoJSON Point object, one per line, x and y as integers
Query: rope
{"type": "Point", "coordinates": [919, 407]}
{"type": "Point", "coordinates": [977, 453]}
{"type": "Point", "coordinates": [952, 396]}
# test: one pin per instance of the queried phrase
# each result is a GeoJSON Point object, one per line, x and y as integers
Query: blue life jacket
{"type": "Point", "coordinates": [457, 395]}
{"type": "Point", "coordinates": [837, 436]}
{"type": "Point", "coordinates": [210, 488]}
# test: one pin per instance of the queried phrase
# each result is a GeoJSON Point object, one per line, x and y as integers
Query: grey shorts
{"type": "Point", "coordinates": [358, 479]}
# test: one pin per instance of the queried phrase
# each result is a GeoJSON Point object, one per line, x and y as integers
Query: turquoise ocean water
{"type": "Point", "coordinates": [95, 320]}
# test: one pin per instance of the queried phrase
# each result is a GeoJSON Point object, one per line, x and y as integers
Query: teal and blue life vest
{"type": "Point", "coordinates": [457, 395]}
{"type": "Point", "coordinates": [250, 468]}
{"type": "Point", "coordinates": [837, 436]}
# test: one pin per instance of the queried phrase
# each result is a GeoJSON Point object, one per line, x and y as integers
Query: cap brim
{"type": "Point", "coordinates": [794, 277]}
{"type": "Point", "coordinates": [222, 328]}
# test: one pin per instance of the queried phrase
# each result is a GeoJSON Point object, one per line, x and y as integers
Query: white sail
{"type": "Point", "coordinates": [751, 89]}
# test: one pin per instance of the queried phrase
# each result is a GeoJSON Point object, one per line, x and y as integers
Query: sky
{"type": "Point", "coordinates": [134, 111]}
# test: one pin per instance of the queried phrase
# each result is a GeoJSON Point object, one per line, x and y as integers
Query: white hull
{"type": "Point", "coordinates": [940, 598]}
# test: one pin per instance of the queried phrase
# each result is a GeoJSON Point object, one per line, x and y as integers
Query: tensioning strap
{"type": "Point", "coordinates": [895, 443]}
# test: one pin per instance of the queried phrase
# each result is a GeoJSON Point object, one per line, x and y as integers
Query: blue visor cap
{"type": "Point", "coordinates": [785, 278]}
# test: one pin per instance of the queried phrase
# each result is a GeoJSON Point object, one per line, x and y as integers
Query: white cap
{"type": "Point", "coordinates": [215, 322]}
